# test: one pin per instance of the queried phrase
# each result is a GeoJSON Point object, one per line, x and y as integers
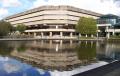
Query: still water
{"type": "Point", "coordinates": [37, 58]}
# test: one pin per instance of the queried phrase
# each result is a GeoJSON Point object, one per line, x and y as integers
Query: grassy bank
{"type": "Point", "coordinates": [87, 38]}
{"type": "Point", "coordinates": [114, 38]}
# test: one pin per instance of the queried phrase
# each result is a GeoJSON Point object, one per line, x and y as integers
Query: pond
{"type": "Point", "coordinates": [37, 58]}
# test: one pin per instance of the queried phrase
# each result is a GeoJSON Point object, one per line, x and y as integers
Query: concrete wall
{"type": "Point", "coordinates": [55, 16]}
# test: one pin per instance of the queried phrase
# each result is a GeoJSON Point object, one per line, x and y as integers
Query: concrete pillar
{"type": "Point", "coordinates": [107, 28]}
{"type": "Point", "coordinates": [71, 34]}
{"type": "Point", "coordinates": [86, 42]}
{"type": "Point", "coordinates": [79, 42]}
{"type": "Point", "coordinates": [97, 34]}
{"type": "Point", "coordinates": [61, 42]}
{"type": "Point", "coordinates": [108, 35]}
{"type": "Point", "coordinates": [91, 43]}
{"type": "Point", "coordinates": [50, 34]}
{"type": "Point", "coordinates": [56, 27]}
{"type": "Point", "coordinates": [61, 34]}
{"type": "Point", "coordinates": [57, 47]}
{"type": "Point", "coordinates": [42, 34]}
{"type": "Point", "coordinates": [28, 33]}
{"type": "Point", "coordinates": [79, 34]}
{"type": "Point", "coordinates": [42, 42]}
{"type": "Point", "coordinates": [71, 41]}
{"type": "Point", "coordinates": [113, 33]}
{"type": "Point", "coordinates": [50, 43]}
{"type": "Point", "coordinates": [34, 34]}
{"type": "Point", "coordinates": [34, 42]}
{"type": "Point", "coordinates": [91, 35]}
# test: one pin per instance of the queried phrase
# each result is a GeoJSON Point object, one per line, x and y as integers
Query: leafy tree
{"type": "Point", "coordinates": [5, 28]}
{"type": "Point", "coordinates": [86, 26]}
{"type": "Point", "coordinates": [21, 28]}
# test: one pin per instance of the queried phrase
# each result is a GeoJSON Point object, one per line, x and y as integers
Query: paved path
{"type": "Point", "coordinates": [112, 69]}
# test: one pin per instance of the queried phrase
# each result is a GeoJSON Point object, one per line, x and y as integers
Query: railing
{"type": "Point", "coordinates": [56, 37]}
{"type": "Point", "coordinates": [42, 30]}
{"type": "Point", "coordinates": [113, 30]}
{"type": "Point", "coordinates": [49, 28]}
{"type": "Point", "coordinates": [14, 37]}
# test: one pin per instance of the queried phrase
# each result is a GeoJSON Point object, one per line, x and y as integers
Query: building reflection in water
{"type": "Point", "coordinates": [108, 51]}
{"type": "Point", "coordinates": [60, 55]}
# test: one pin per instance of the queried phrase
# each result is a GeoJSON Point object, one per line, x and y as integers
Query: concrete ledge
{"type": "Point", "coordinates": [22, 39]}
{"type": "Point", "coordinates": [103, 70]}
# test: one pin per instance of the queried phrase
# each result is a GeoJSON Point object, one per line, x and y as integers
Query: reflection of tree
{"type": "Point", "coordinates": [86, 51]}
{"type": "Point", "coordinates": [5, 49]}
{"type": "Point", "coordinates": [21, 48]}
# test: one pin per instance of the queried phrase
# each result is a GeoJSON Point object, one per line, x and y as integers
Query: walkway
{"type": "Point", "coordinates": [112, 69]}
{"type": "Point", "coordinates": [22, 39]}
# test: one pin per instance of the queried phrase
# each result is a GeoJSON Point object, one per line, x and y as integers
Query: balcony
{"type": "Point", "coordinates": [51, 29]}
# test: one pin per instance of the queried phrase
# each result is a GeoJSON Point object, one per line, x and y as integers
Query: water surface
{"type": "Point", "coordinates": [26, 57]}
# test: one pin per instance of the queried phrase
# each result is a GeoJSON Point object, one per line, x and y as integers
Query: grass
{"type": "Point", "coordinates": [87, 37]}
{"type": "Point", "coordinates": [114, 38]}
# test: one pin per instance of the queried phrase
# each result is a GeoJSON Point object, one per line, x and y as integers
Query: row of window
{"type": "Point", "coordinates": [106, 21]}
{"type": "Point", "coordinates": [66, 15]}
{"type": "Point", "coordinates": [67, 20]}
{"type": "Point", "coordinates": [51, 27]}
{"type": "Point", "coordinates": [33, 11]}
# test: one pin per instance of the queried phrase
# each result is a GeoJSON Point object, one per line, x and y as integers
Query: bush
{"type": "Point", "coordinates": [21, 28]}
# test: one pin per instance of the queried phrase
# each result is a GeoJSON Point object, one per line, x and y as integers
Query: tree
{"type": "Point", "coordinates": [86, 26]}
{"type": "Point", "coordinates": [21, 28]}
{"type": "Point", "coordinates": [5, 28]}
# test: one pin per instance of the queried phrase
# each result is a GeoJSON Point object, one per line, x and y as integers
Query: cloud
{"type": "Point", "coordinates": [10, 3]}
{"type": "Point", "coordinates": [116, 2]}
{"type": "Point", "coordinates": [46, 0]}
{"type": "Point", "coordinates": [3, 12]}
{"type": "Point", "coordinates": [11, 68]}
{"type": "Point", "coordinates": [100, 6]}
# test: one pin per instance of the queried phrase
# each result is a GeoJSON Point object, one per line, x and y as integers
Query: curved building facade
{"type": "Point", "coordinates": [51, 21]}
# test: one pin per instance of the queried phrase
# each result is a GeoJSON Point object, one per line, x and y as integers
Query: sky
{"type": "Point", "coordinates": [10, 7]}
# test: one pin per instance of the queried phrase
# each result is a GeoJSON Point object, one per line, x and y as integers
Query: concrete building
{"type": "Point", "coordinates": [108, 25]}
{"type": "Point", "coordinates": [51, 21]}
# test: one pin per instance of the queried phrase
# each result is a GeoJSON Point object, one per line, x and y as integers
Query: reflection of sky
{"type": "Point", "coordinates": [12, 67]}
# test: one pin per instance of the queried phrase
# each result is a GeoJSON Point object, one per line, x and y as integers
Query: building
{"type": "Point", "coordinates": [51, 21]}
{"type": "Point", "coordinates": [108, 25]}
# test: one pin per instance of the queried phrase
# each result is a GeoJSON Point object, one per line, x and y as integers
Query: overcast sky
{"type": "Point", "coordinates": [10, 7]}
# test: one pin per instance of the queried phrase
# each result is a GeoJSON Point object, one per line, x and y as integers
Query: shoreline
{"type": "Point", "coordinates": [31, 39]}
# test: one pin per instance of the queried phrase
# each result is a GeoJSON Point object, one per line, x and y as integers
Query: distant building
{"type": "Point", "coordinates": [51, 21]}
{"type": "Point", "coordinates": [108, 25]}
